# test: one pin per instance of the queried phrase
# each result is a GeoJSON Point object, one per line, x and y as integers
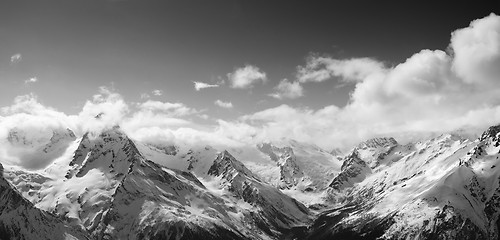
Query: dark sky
{"type": "Point", "coordinates": [73, 47]}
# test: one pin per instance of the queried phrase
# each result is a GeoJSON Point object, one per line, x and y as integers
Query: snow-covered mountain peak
{"type": "Point", "coordinates": [290, 172]}
{"type": "Point", "coordinates": [379, 142]}
{"type": "Point", "coordinates": [492, 132]}
{"type": "Point", "coordinates": [374, 151]}
{"type": "Point", "coordinates": [26, 138]}
{"type": "Point", "coordinates": [226, 165]}
{"type": "Point", "coordinates": [110, 151]}
{"type": "Point", "coordinates": [353, 170]}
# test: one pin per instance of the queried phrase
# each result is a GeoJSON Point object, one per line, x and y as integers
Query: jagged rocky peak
{"type": "Point", "coordinates": [353, 170]}
{"type": "Point", "coordinates": [167, 149]}
{"type": "Point", "coordinates": [273, 211]}
{"type": "Point", "coordinates": [488, 147]}
{"type": "Point", "coordinates": [110, 151]}
{"type": "Point", "coordinates": [225, 164]}
{"type": "Point", "coordinates": [378, 142]}
{"type": "Point", "coordinates": [491, 132]}
{"type": "Point", "coordinates": [290, 172]}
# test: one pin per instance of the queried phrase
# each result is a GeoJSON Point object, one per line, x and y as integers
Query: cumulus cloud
{"type": "Point", "coordinates": [109, 105]}
{"type": "Point", "coordinates": [432, 91]}
{"type": "Point", "coordinates": [152, 120]}
{"type": "Point", "coordinates": [287, 89]}
{"type": "Point", "coordinates": [31, 80]}
{"type": "Point", "coordinates": [32, 122]}
{"type": "Point", "coordinates": [223, 104]}
{"type": "Point", "coordinates": [246, 77]}
{"type": "Point", "coordinates": [476, 51]}
{"type": "Point", "coordinates": [15, 58]}
{"type": "Point", "coordinates": [201, 85]}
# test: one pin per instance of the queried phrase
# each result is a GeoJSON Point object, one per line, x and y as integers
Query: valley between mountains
{"type": "Point", "coordinates": [105, 185]}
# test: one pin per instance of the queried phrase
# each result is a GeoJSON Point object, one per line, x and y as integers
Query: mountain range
{"type": "Point", "coordinates": [105, 185]}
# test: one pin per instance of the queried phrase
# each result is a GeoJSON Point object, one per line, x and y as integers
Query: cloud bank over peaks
{"type": "Point", "coordinates": [111, 107]}
{"type": "Point", "coordinates": [432, 91]}
{"type": "Point", "coordinates": [149, 121]}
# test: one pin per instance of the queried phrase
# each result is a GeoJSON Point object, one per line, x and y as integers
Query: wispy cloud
{"type": "Point", "coordinates": [319, 69]}
{"type": "Point", "coordinates": [246, 77]}
{"type": "Point", "coordinates": [31, 80]}
{"type": "Point", "coordinates": [145, 96]}
{"type": "Point", "coordinates": [223, 104]}
{"type": "Point", "coordinates": [172, 109]}
{"type": "Point", "coordinates": [287, 89]}
{"type": "Point", "coordinates": [157, 92]}
{"type": "Point", "coordinates": [15, 58]}
{"type": "Point", "coordinates": [201, 85]}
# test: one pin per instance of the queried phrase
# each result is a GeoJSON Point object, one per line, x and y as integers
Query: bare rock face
{"type": "Point", "coordinates": [290, 172]}
{"type": "Point", "coordinates": [353, 170]}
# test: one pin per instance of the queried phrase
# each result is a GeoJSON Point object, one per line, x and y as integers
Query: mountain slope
{"type": "Point", "coordinates": [444, 188]}
{"type": "Point", "coordinates": [104, 184]}
{"type": "Point", "coordinates": [19, 219]}
{"type": "Point", "coordinates": [275, 211]}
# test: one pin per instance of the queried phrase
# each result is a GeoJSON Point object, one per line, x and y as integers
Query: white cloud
{"type": "Point", "coordinates": [145, 96]}
{"type": "Point", "coordinates": [287, 89]}
{"type": "Point", "coordinates": [111, 107]}
{"type": "Point", "coordinates": [246, 77]}
{"type": "Point", "coordinates": [201, 85]}
{"type": "Point", "coordinates": [31, 80]}
{"type": "Point", "coordinates": [432, 91]}
{"type": "Point", "coordinates": [29, 118]}
{"type": "Point", "coordinates": [476, 51]}
{"type": "Point", "coordinates": [16, 58]}
{"type": "Point", "coordinates": [223, 104]}
{"type": "Point", "coordinates": [157, 92]}
{"type": "Point", "coordinates": [319, 69]}
{"type": "Point", "coordinates": [171, 109]}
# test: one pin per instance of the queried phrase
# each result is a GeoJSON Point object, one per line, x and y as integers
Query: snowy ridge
{"type": "Point", "coordinates": [275, 210]}
{"type": "Point", "coordinates": [353, 170]}
{"type": "Point", "coordinates": [443, 188]}
{"type": "Point", "coordinates": [20, 219]}
{"type": "Point", "coordinates": [103, 184]}
{"type": "Point", "coordinates": [285, 158]}
{"type": "Point", "coordinates": [112, 187]}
